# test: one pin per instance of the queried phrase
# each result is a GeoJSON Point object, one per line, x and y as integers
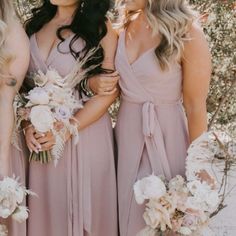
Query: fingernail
{"type": "Point", "coordinates": [37, 151]}
{"type": "Point", "coordinates": [42, 135]}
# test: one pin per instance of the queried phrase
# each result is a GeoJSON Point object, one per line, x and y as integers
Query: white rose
{"type": "Point", "coordinates": [149, 187]}
{"type": "Point", "coordinates": [42, 118]}
{"type": "Point", "coordinates": [185, 231]}
{"type": "Point", "coordinates": [21, 214]}
{"type": "Point", "coordinates": [38, 96]}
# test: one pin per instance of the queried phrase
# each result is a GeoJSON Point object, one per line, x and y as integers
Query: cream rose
{"type": "Point", "coordinates": [42, 119]}
{"type": "Point", "coordinates": [38, 96]}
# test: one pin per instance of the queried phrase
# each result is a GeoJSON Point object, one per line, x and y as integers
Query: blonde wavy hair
{"type": "Point", "coordinates": [6, 16]}
{"type": "Point", "coordinates": [171, 19]}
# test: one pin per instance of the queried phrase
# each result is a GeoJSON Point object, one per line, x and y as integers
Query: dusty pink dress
{"type": "Point", "coordinates": [151, 130]}
{"type": "Point", "coordinates": [78, 197]}
{"type": "Point", "coordinates": [18, 168]}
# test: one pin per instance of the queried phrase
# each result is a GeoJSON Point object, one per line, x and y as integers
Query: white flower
{"type": "Point", "coordinates": [157, 215]}
{"type": "Point", "coordinates": [177, 184]}
{"type": "Point", "coordinates": [38, 96]}
{"type": "Point", "coordinates": [3, 230]}
{"type": "Point", "coordinates": [213, 200]}
{"type": "Point", "coordinates": [53, 76]}
{"type": "Point", "coordinates": [185, 231]}
{"type": "Point", "coordinates": [8, 184]}
{"type": "Point", "coordinates": [149, 187]}
{"type": "Point", "coordinates": [190, 221]}
{"type": "Point", "coordinates": [21, 214]}
{"type": "Point", "coordinates": [20, 194]}
{"type": "Point", "coordinates": [8, 203]}
{"type": "Point", "coordinates": [204, 198]}
{"type": "Point", "coordinates": [63, 113]}
{"type": "Point", "coordinates": [40, 79]}
{"type": "Point", "coordinates": [42, 118]}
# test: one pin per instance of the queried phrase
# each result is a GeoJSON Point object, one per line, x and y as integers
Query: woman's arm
{"type": "Point", "coordinates": [106, 84]}
{"type": "Point", "coordinates": [196, 66]}
{"type": "Point", "coordinates": [97, 106]}
{"type": "Point", "coordinates": [18, 45]}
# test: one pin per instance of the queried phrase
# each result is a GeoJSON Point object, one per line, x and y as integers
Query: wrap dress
{"type": "Point", "coordinates": [151, 129]}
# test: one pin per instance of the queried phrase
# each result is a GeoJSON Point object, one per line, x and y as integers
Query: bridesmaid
{"type": "Point", "coordinates": [14, 61]}
{"type": "Point", "coordinates": [165, 66]}
{"type": "Point", "coordinates": [78, 197]}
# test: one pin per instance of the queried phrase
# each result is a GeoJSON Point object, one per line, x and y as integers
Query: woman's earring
{"type": "Point", "coordinates": [82, 7]}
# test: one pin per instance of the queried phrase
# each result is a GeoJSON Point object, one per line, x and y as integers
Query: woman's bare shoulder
{"type": "Point", "coordinates": [18, 47]}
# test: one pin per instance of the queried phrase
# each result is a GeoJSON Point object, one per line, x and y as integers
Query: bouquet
{"type": "Point", "coordinates": [12, 196]}
{"type": "Point", "coordinates": [183, 206]}
{"type": "Point", "coordinates": [51, 105]}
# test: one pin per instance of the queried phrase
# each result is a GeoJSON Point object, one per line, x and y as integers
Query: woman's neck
{"type": "Point", "coordinates": [65, 13]}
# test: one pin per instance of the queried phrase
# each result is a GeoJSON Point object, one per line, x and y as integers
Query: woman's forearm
{"type": "Point", "coordinates": [94, 109]}
{"type": "Point", "coordinates": [197, 122]}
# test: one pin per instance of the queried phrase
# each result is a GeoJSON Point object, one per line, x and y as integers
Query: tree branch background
{"type": "Point", "coordinates": [218, 19]}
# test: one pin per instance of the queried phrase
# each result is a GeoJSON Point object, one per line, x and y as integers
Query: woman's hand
{"type": "Point", "coordinates": [31, 141]}
{"type": "Point", "coordinates": [104, 84]}
{"type": "Point", "coordinates": [46, 140]}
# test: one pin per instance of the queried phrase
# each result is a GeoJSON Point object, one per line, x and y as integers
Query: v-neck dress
{"type": "Point", "coordinates": [151, 130]}
{"type": "Point", "coordinates": [78, 196]}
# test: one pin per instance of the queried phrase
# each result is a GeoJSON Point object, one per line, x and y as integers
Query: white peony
{"type": "Point", "coordinates": [38, 96]}
{"type": "Point", "coordinates": [42, 118]}
{"type": "Point", "coordinates": [21, 214]}
{"type": "Point", "coordinates": [149, 187]}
